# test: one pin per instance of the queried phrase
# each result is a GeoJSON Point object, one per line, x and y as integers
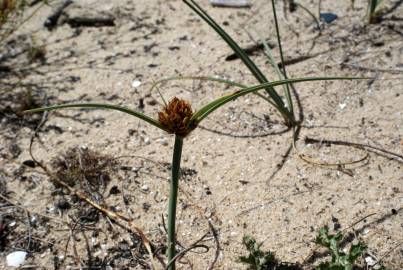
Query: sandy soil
{"type": "Point", "coordinates": [240, 172]}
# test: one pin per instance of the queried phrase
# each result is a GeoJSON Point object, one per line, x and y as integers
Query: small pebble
{"type": "Point", "coordinates": [145, 188]}
{"type": "Point", "coordinates": [146, 206]}
{"type": "Point", "coordinates": [342, 105]}
{"type": "Point", "coordinates": [114, 190]}
{"type": "Point", "coordinates": [16, 258]}
{"type": "Point", "coordinates": [62, 204]}
{"type": "Point", "coordinates": [29, 163]}
{"type": "Point", "coordinates": [163, 141]}
{"type": "Point", "coordinates": [370, 261]}
{"type": "Point", "coordinates": [136, 83]}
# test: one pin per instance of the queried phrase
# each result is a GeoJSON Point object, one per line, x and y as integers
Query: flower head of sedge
{"type": "Point", "coordinates": [175, 117]}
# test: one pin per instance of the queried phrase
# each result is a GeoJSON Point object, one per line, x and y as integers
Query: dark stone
{"type": "Point", "coordinates": [336, 224]}
{"type": "Point", "coordinates": [29, 163]}
{"type": "Point", "coordinates": [146, 206]}
{"type": "Point", "coordinates": [63, 204]}
{"type": "Point", "coordinates": [114, 190]}
{"type": "Point", "coordinates": [328, 17]}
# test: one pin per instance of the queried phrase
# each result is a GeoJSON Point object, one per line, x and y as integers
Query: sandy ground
{"type": "Point", "coordinates": [239, 170]}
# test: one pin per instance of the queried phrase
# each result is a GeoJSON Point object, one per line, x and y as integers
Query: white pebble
{"type": "Point", "coordinates": [145, 188]}
{"type": "Point", "coordinates": [147, 140]}
{"type": "Point", "coordinates": [342, 105]}
{"type": "Point", "coordinates": [136, 83]}
{"type": "Point", "coordinates": [16, 258]}
{"type": "Point", "coordinates": [370, 261]}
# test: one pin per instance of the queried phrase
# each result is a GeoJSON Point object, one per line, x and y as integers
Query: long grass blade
{"type": "Point", "coordinates": [269, 54]}
{"type": "Point", "coordinates": [214, 79]}
{"type": "Point", "coordinates": [287, 88]}
{"type": "Point", "coordinates": [242, 55]}
{"type": "Point", "coordinates": [209, 108]}
{"type": "Point", "coordinates": [100, 106]}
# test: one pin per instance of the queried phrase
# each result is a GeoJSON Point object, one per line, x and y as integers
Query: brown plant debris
{"type": "Point", "coordinates": [84, 168]}
{"type": "Point", "coordinates": [6, 7]}
{"type": "Point", "coordinates": [176, 117]}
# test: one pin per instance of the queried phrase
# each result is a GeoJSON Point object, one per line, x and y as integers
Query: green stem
{"type": "Point", "coordinates": [373, 4]}
{"type": "Point", "coordinates": [287, 88]}
{"type": "Point", "coordinates": [173, 195]}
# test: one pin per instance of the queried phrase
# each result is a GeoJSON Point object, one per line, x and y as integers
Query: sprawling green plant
{"type": "Point", "coordinates": [340, 260]}
{"type": "Point", "coordinates": [178, 118]}
{"type": "Point", "coordinates": [257, 259]}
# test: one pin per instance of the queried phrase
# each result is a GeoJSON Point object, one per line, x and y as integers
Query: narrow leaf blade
{"type": "Point", "coordinates": [100, 106]}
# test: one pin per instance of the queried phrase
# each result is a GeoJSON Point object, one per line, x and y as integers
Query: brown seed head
{"type": "Point", "coordinates": [175, 117]}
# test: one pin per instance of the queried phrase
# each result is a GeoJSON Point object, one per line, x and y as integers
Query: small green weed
{"type": "Point", "coordinates": [257, 259]}
{"type": "Point", "coordinates": [261, 260]}
{"type": "Point", "coordinates": [340, 260]}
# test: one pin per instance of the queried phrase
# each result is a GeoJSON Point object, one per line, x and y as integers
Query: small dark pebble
{"type": "Point", "coordinates": [141, 104]}
{"type": "Point", "coordinates": [146, 206]}
{"type": "Point", "coordinates": [126, 168]}
{"type": "Point", "coordinates": [29, 163]}
{"type": "Point", "coordinates": [74, 79]}
{"type": "Point", "coordinates": [394, 211]}
{"type": "Point", "coordinates": [336, 224]}
{"type": "Point", "coordinates": [379, 43]}
{"type": "Point", "coordinates": [328, 17]}
{"type": "Point", "coordinates": [174, 48]}
{"type": "Point", "coordinates": [114, 190]}
{"type": "Point", "coordinates": [208, 191]}
{"type": "Point", "coordinates": [152, 102]}
{"type": "Point", "coordinates": [63, 204]}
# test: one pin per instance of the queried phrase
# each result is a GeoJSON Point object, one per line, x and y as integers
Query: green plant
{"type": "Point", "coordinates": [257, 259]}
{"type": "Point", "coordinates": [285, 109]}
{"type": "Point", "coordinates": [340, 260]}
{"type": "Point", "coordinates": [373, 14]}
{"type": "Point", "coordinates": [261, 260]}
{"type": "Point", "coordinates": [178, 118]}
